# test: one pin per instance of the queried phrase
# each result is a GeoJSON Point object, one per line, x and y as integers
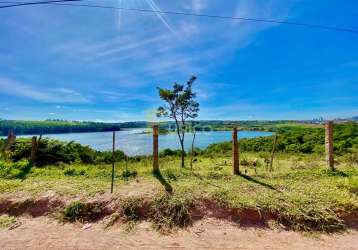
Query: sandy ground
{"type": "Point", "coordinates": [47, 233]}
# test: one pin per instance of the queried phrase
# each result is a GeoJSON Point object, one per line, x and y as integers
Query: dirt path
{"type": "Point", "coordinates": [46, 233]}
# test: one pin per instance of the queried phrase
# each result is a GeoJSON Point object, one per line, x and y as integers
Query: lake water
{"type": "Point", "coordinates": [136, 142]}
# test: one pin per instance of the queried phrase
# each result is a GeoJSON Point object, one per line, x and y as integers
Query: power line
{"type": "Point", "coordinates": [63, 2]}
{"type": "Point", "coordinates": [16, 4]}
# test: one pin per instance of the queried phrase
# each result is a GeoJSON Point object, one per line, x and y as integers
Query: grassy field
{"type": "Point", "coordinates": [300, 193]}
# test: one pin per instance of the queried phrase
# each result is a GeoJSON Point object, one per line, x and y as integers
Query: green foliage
{"type": "Point", "coordinates": [55, 152]}
{"type": "Point", "coordinates": [15, 170]}
{"type": "Point", "coordinates": [7, 221]}
{"type": "Point", "coordinates": [180, 106]}
{"type": "Point", "coordinates": [169, 152]}
{"type": "Point", "coordinates": [83, 212]}
{"type": "Point", "coordinates": [53, 127]}
{"type": "Point", "coordinates": [296, 140]}
{"type": "Point", "coordinates": [74, 172]}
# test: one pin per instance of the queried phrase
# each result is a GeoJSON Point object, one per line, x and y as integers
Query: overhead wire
{"type": "Point", "coordinates": [177, 13]}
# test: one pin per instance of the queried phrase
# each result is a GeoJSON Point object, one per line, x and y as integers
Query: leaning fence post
{"type": "Point", "coordinates": [155, 149]}
{"type": "Point", "coordinates": [235, 153]}
{"type": "Point", "coordinates": [329, 144]}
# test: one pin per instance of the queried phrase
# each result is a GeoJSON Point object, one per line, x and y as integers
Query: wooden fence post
{"type": "Point", "coordinates": [10, 141]}
{"type": "Point", "coordinates": [235, 153]}
{"type": "Point", "coordinates": [273, 152]}
{"type": "Point", "coordinates": [33, 149]}
{"type": "Point", "coordinates": [155, 149]}
{"type": "Point", "coordinates": [329, 144]}
{"type": "Point", "coordinates": [113, 158]}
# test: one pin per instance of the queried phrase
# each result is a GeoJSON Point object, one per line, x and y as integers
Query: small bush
{"type": "Point", "coordinates": [170, 152]}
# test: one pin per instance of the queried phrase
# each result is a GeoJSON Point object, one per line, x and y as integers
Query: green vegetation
{"type": "Point", "coordinates": [296, 139]}
{"type": "Point", "coordinates": [53, 127]}
{"type": "Point", "coordinates": [180, 106]}
{"type": "Point", "coordinates": [57, 152]}
{"type": "Point", "coordinates": [7, 221]}
{"type": "Point", "coordinates": [301, 193]}
{"type": "Point", "coordinates": [171, 211]}
{"type": "Point", "coordinates": [83, 212]}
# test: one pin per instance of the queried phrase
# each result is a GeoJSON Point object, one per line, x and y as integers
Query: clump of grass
{"type": "Point", "coordinates": [74, 172]}
{"type": "Point", "coordinates": [171, 174]}
{"type": "Point", "coordinates": [311, 219]}
{"type": "Point", "coordinates": [221, 197]}
{"type": "Point", "coordinates": [131, 208]}
{"type": "Point", "coordinates": [15, 170]}
{"type": "Point", "coordinates": [82, 212]}
{"type": "Point", "coordinates": [171, 211]}
{"type": "Point", "coordinates": [127, 174]}
{"type": "Point", "coordinates": [7, 221]}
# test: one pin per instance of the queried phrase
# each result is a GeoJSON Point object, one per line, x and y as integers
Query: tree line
{"type": "Point", "coordinates": [53, 127]}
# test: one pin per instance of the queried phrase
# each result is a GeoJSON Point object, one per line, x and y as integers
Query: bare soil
{"type": "Point", "coordinates": [46, 233]}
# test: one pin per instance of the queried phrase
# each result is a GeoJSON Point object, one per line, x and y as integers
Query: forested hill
{"type": "Point", "coordinates": [54, 127]}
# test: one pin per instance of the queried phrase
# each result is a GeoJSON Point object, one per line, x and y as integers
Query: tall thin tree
{"type": "Point", "coordinates": [180, 106]}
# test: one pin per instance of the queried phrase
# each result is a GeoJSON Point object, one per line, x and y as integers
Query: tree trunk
{"type": "Point", "coordinates": [182, 154]}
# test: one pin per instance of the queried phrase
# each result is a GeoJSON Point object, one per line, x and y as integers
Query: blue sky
{"type": "Point", "coordinates": [77, 63]}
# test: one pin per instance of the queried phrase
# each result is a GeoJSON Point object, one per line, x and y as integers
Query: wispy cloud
{"type": "Point", "coordinates": [157, 10]}
{"type": "Point", "coordinates": [59, 95]}
{"type": "Point", "coordinates": [152, 52]}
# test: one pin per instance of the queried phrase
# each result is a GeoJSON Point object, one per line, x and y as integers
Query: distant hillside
{"type": "Point", "coordinates": [53, 127]}
{"type": "Point", "coordinates": [355, 118]}
{"type": "Point", "coordinates": [61, 126]}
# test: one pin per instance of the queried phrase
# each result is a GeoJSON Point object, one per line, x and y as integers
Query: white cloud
{"type": "Point", "coordinates": [62, 95]}
{"type": "Point", "coordinates": [145, 50]}
{"type": "Point", "coordinates": [199, 5]}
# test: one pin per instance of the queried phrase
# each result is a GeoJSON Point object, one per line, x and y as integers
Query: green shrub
{"type": "Point", "coordinates": [170, 152]}
{"type": "Point", "coordinates": [52, 152]}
